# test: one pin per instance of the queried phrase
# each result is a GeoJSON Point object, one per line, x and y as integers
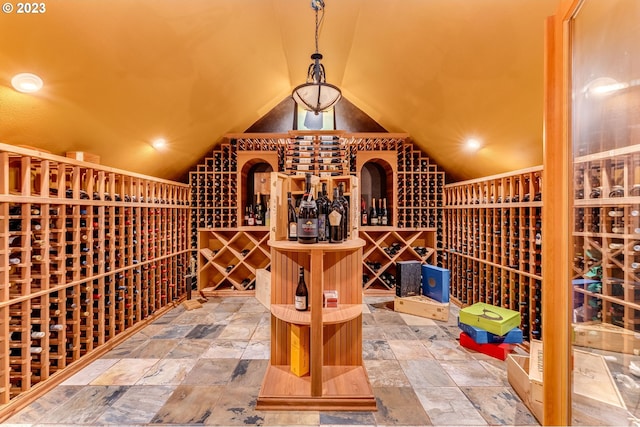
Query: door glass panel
{"type": "Point", "coordinates": [605, 135]}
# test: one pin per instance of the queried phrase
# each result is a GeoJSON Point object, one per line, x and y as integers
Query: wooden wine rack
{"type": "Point", "coordinates": [493, 243]}
{"type": "Point", "coordinates": [606, 238]}
{"type": "Point", "coordinates": [414, 193]}
{"type": "Point", "coordinates": [88, 254]}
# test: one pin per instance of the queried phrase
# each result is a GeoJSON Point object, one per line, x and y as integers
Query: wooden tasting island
{"type": "Point", "coordinates": [337, 379]}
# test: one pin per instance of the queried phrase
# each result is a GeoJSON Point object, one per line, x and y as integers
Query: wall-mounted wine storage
{"type": "Point", "coordinates": [493, 243]}
{"type": "Point", "coordinates": [408, 181]}
{"type": "Point", "coordinates": [87, 255]}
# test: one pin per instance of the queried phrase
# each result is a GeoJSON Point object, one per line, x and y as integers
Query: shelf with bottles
{"type": "Point", "coordinates": [75, 239]}
{"type": "Point", "coordinates": [606, 237]}
{"type": "Point", "coordinates": [336, 333]}
{"type": "Point", "coordinates": [493, 242]}
{"type": "Point", "coordinates": [228, 259]}
{"type": "Point", "coordinates": [319, 153]}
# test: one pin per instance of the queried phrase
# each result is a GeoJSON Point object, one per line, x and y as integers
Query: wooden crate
{"type": "Point", "coordinates": [422, 306]}
{"type": "Point", "coordinates": [605, 336]}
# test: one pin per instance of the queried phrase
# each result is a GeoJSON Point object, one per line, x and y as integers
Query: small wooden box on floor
{"type": "Point", "coordinates": [596, 398]}
{"type": "Point", "coordinates": [422, 306]}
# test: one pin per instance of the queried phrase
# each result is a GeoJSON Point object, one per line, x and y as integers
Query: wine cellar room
{"type": "Point", "coordinates": [436, 224]}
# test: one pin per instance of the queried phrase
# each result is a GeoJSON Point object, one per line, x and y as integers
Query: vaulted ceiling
{"type": "Point", "coordinates": [119, 73]}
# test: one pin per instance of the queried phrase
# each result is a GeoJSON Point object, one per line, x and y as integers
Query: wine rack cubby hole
{"type": "Point", "coordinates": [89, 254]}
{"type": "Point", "coordinates": [411, 183]}
{"type": "Point", "coordinates": [493, 243]}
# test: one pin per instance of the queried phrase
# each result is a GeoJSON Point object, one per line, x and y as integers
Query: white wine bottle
{"type": "Point", "coordinates": [302, 293]}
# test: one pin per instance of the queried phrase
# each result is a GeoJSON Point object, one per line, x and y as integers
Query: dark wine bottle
{"type": "Point", "coordinates": [302, 294]}
{"type": "Point", "coordinates": [373, 213]}
{"type": "Point", "coordinates": [364, 217]}
{"type": "Point", "coordinates": [322, 203]}
{"type": "Point", "coordinates": [336, 212]}
{"type": "Point", "coordinates": [345, 218]}
{"type": "Point", "coordinates": [308, 216]}
{"type": "Point", "coordinates": [383, 216]}
{"type": "Point", "coordinates": [292, 229]}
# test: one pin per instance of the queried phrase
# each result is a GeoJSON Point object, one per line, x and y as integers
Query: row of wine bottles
{"type": "Point", "coordinates": [257, 214]}
{"type": "Point", "coordinates": [377, 215]}
{"type": "Point", "coordinates": [320, 219]}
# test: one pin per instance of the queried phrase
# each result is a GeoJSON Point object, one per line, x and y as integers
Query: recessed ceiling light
{"type": "Point", "coordinates": [26, 82]}
{"type": "Point", "coordinates": [159, 143]}
{"type": "Point", "coordinates": [473, 144]}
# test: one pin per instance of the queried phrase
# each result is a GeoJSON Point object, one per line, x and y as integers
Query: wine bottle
{"type": "Point", "coordinates": [323, 206]}
{"type": "Point", "coordinates": [292, 229]}
{"type": "Point", "coordinates": [345, 217]}
{"type": "Point", "coordinates": [383, 215]}
{"type": "Point", "coordinates": [302, 294]}
{"type": "Point", "coordinates": [373, 213]}
{"type": "Point", "coordinates": [308, 216]}
{"type": "Point", "coordinates": [336, 212]}
{"type": "Point", "coordinates": [364, 217]}
{"type": "Point", "coordinates": [259, 211]}
{"type": "Point", "coordinates": [252, 218]}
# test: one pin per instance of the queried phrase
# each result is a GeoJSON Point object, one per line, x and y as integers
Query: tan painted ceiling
{"type": "Point", "coordinates": [119, 73]}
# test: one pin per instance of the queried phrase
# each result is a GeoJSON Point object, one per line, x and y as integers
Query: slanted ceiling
{"type": "Point", "coordinates": [119, 73]}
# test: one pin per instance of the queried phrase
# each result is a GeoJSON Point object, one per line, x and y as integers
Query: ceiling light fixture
{"type": "Point", "coordinates": [26, 83]}
{"type": "Point", "coordinates": [473, 144]}
{"type": "Point", "coordinates": [316, 94]}
{"type": "Point", "coordinates": [159, 143]}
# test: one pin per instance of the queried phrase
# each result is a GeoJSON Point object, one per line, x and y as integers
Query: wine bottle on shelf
{"type": "Point", "coordinates": [345, 217]}
{"type": "Point", "coordinates": [259, 211]}
{"type": "Point", "coordinates": [323, 206]}
{"type": "Point", "coordinates": [292, 229]}
{"type": "Point", "coordinates": [373, 213]}
{"type": "Point", "coordinates": [252, 218]}
{"type": "Point", "coordinates": [336, 212]}
{"type": "Point", "coordinates": [301, 301]}
{"type": "Point", "coordinates": [308, 216]}
{"type": "Point", "coordinates": [383, 218]}
{"type": "Point", "coordinates": [364, 217]}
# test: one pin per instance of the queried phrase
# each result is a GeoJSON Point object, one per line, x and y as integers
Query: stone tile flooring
{"type": "Point", "coordinates": [205, 367]}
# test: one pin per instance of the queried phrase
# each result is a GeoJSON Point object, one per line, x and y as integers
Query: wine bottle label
{"type": "Point", "coordinates": [322, 227]}
{"type": "Point", "coordinates": [300, 302]}
{"type": "Point", "coordinates": [293, 229]}
{"type": "Point", "coordinates": [383, 220]}
{"type": "Point", "coordinates": [334, 218]}
{"type": "Point", "coordinates": [373, 220]}
{"type": "Point", "coordinates": [308, 227]}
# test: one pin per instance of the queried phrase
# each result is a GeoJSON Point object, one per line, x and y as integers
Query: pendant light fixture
{"type": "Point", "coordinates": [316, 94]}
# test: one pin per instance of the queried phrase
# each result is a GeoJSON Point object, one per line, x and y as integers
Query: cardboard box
{"type": "Point", "coordinates": [496, 320]}
{"type": "Point", "coordinates": [480, 336]}
{"type": "Point", "coordinates": [420, 305]}
{"type": "Point", "coordinates": [330, 299]}
{"type": "Point", "coordinates": [605, 336]}
{"type": "Point", "coordinates": [85, 157]}
{"type": "Point", "coordinates": [499, 351]}
{"type": "Point", "coordinates": [299, 349]}
{"type": "Point", "coordinates": [435, 282]}
{"type": "Point", "coordinates": [408, 278]}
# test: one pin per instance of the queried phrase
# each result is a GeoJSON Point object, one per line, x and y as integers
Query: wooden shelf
{"type": "Point", "coordinates": [415, 197]}
{"type": "Point", "coordinates": [493, 243]}
{"type": "Point", "coordinates": [345, 388]}
{"type": "Point", "coordinates": [100, 251]}
{"type": "Point", "coordinates": [336, 379]}
{"type": "Point", "coordinates": [342, 313]}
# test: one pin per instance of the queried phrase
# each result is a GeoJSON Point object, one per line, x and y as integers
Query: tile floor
{"type": "Point", "coordinates": [205, 367]}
